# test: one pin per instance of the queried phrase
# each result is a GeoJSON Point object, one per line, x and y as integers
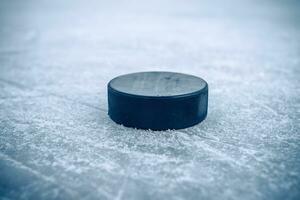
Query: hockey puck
{"type": "Point", "coordinates": [157, 100]}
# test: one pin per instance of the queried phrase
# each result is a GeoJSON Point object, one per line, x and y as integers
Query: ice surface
{"type": "Point", "coordinates": [57, 142]}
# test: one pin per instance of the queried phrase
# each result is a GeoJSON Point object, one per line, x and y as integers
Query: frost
{"type": "Point", "coordinates": [57, 141]}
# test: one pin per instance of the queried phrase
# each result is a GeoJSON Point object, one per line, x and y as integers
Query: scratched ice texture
{"type": "Point", "coordinates": [57, 142]}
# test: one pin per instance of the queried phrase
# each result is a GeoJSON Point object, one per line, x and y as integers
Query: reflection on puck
{"type": "Point", "coordinates": [157, 100]}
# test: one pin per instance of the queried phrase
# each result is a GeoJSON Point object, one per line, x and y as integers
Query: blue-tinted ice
{"type": "Point", "coordinates": [57, 142]}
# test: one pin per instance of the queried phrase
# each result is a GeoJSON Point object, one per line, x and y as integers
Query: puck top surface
{"type": "Point", "coordinates": [157, 84]}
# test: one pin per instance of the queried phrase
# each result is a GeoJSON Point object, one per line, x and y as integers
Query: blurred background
{"type": "Point", "coordinates": [57, 142]}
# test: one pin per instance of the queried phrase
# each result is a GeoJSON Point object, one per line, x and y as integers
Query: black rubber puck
{"type": "Point", "coordinates": [157, 100]}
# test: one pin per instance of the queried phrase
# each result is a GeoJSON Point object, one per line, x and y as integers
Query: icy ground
{"type": "Point", "coordinates": [57, 142]}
